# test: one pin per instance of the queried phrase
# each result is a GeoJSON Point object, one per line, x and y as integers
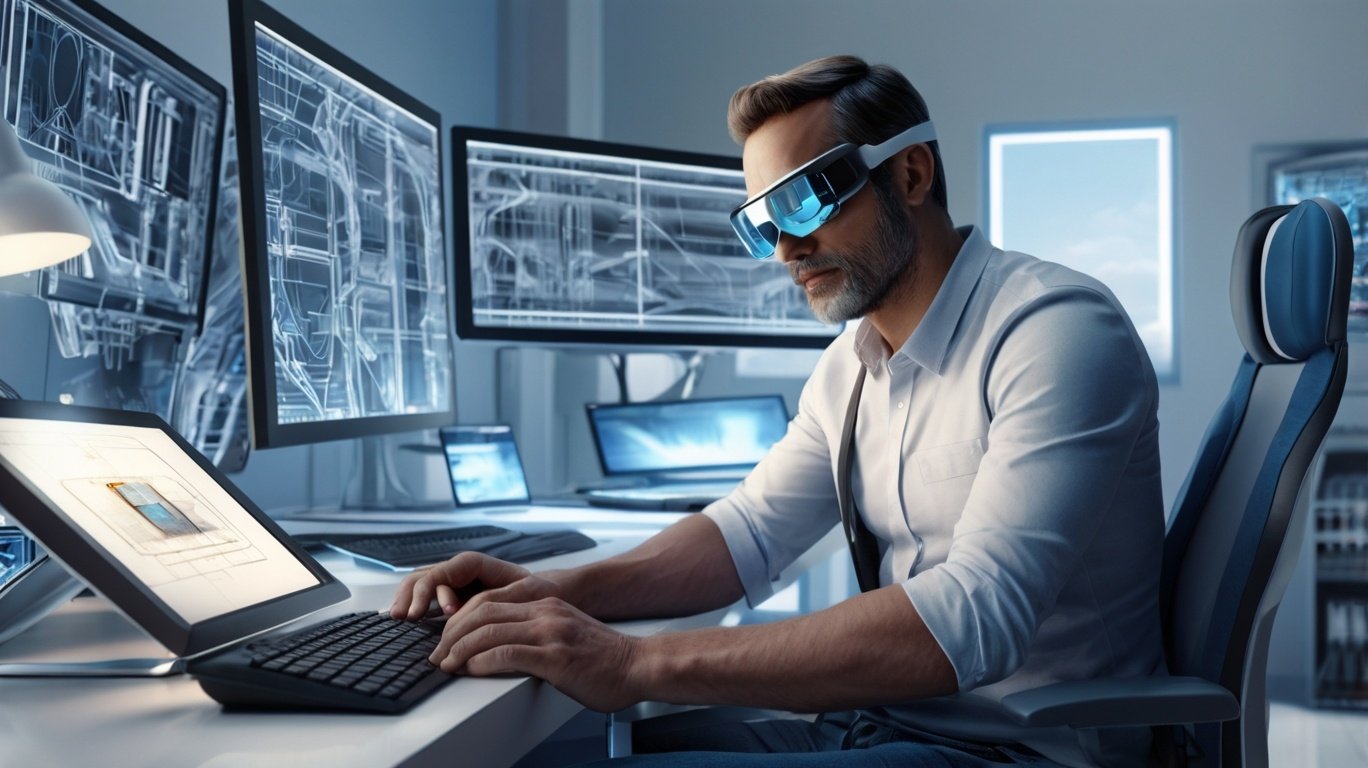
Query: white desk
{"type": "Point", "coordinates": [171, 722]}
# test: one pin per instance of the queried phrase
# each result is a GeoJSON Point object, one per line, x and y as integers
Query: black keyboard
{"type": "Point", "coordinates": [363, 662]}
{"type": "Point", "coordinates": [419, 548]}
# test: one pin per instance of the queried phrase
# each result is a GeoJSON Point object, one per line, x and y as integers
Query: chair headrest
{"type": "Point", "coordinates": [1289, 283]}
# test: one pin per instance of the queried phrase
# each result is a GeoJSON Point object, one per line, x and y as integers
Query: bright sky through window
{"type": "Point", "coordinates": [1099, 201]}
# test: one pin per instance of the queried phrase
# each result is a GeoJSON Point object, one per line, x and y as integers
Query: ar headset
{"type": "Point", "coordinates": [809, 197]}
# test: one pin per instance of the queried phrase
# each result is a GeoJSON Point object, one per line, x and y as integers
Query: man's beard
{"type": "Point", "coordinates": [871, 269]}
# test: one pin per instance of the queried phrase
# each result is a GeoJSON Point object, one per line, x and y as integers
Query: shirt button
{"type": "Point", "coordinates": [900, 405]}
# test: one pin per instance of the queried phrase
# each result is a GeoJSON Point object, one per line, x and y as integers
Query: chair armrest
{"type": "Point", "coordinates": [1123, 701]}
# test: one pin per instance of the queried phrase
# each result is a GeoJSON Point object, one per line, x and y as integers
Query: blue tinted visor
{"type": "Point", "coordinates": [807, 198]}
{"type": "Point", "coordinates": [800, 202]}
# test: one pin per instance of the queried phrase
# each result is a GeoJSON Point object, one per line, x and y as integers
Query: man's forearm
{"type": "Point", "coordinates": [872, 649]}
{"type": "Point", "coordinates": [683, 570]}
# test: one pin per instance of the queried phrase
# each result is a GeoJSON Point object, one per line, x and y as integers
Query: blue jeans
{"type": "Point", "coordinates": [846, 740]}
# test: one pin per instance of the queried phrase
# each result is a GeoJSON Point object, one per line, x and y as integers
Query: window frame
{"type": "Point", "coordinates": [1165, 131]}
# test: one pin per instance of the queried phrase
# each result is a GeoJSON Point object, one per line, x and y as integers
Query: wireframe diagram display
{"type": "Point", "coordinates": [574, 241]}
{"type": "Point", "coordinates": [348, 312]}
{"type": "Point", "coordinates": [144, 501]}
{"type": "Point", "coordinates": [132, 133]}
{"type": "Point", "coordinates": [211, 388]}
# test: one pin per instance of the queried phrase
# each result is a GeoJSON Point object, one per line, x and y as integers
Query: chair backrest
{"type": "Point", "coordinates": [1232, 540]}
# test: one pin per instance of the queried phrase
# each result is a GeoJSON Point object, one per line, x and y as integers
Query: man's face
{"type": "Point", "coordinates": [850, 265]}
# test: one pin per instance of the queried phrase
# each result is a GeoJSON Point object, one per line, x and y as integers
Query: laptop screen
{"type": "Point", "coordinates": [128, 507]}
{"type": "Point", "coordinates": [682, 435]}
{"type": "Point", "coordinates": [484, 465]}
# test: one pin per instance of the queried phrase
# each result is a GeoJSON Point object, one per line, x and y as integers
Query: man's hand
{"type": "Point", "coordinates": [451, 584]}
{"type": "Point", "coordinates": [546, 638]}
{"type": "Point", "coordinates": [519, 623]}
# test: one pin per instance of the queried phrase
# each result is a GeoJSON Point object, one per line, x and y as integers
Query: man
{"type": "Point", "coordinates": [1005, 459]}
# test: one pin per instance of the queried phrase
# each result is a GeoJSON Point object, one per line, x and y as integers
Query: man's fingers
{"type": "Point", "coordinates": [457, 572]}
{"type": "Point", "coordinates": [471, 622]}
{"type": "Point", "coordinates": [403, 596]}
{"type": "Point", "coordinates": [424, 589]}
{"type": "Point", "coordinates": [520, 659]}
{"type": "Point", "coordinates": [446, 599]}
{"type": "Point", "coordinates": [524, 590]}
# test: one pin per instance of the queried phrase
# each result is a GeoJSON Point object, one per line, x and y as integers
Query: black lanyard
{"type": "Point", "coordinates": [864, 548]}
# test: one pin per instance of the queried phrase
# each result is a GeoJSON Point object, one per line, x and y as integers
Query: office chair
{"type": "Point", "coordinates": [1236, 529]}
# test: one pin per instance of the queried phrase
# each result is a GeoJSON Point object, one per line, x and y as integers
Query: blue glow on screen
{"type": "Point", "coordinates": [16, 552]}
{"type": "Point", "coordinates": [484, 466]}
{"type": "Point", "coordinates": [656, 437]}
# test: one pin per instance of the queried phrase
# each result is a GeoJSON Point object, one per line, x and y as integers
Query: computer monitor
{"type": "Point", "coordinates": [682, 436]}
{"type": "Point", "coordinates": [344, 262]}
{"type": "Point", "coordinates": [1337, 171]}
{"type": "Point", "coordinates": [484, 465]}
{"type": "Point", "coordinates": [132, 132]}
{"type": "Point", "coordinates": [566, 241]}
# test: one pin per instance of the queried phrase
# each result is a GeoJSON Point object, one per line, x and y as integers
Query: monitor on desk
{"type": "Point", "coordinates": [125, 503]}
{"type": "Point", "coordinates": [566, 241]}
{"type": "Point", "coordinates": [344, 258]}
{"type": "Point", "coordinates": [681, 436]}
{"type": "Point", "coordinates": [132, 132]}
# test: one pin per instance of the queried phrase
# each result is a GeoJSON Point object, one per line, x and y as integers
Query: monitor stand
{"type": "Point", "coordinates": [34, 592]}
{"type": "Point", "coordinates": [376, 483]}
{"type": "Point", "coordinates": [41, 588]}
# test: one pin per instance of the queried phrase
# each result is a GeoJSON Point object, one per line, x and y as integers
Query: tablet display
{"type": "Point", "coordinates": [127, 506]}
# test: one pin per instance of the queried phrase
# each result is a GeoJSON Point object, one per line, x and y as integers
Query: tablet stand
{"type": "Point", "coordinates": [40, 588]}
{"type": "Point", "coordinates": [33, 593]}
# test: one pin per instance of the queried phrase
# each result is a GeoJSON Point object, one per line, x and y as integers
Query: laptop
{"type": "Point", "coordinates": [680, 454]}
{"type": "Point", "coordinates": [120, 500]}
{"type": "Point", "coordinates": [484, 466]}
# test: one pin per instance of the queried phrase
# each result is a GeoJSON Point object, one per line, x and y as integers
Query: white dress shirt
{"type": "Point", "coordinates": [1007, 459]}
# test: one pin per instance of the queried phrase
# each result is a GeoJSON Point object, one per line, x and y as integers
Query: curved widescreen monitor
{"type": "Point", "coordinates": [566, 241]}
{"type": "Point", "coordinates": [344, 260]}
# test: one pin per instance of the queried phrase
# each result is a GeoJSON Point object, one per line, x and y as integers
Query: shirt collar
{"type": "Point", "coordinates": [930, 342]}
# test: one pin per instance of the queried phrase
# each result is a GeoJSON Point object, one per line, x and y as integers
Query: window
{"type": "Point", "coordinates": [1098, 200]}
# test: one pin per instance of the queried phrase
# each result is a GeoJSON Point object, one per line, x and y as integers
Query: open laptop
{"type": "Point", "coordinates": [120, 500]}
{"type": "Point", "coordinates": [680, 454]}
{"type": "Point", "coordinates": [484, 466]}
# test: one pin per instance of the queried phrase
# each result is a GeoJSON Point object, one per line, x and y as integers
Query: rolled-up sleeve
{"type": "Point", "coordinates": [787, 502]}
{"type": "Point", "coordinates": [1069, 396]}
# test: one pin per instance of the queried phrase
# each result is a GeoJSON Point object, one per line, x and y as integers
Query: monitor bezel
{"type": "Point", "coordinates": [136, 36]}
{"type": "Point", "coordinates": [80, 554]}
{"type": "Point", "coordinates": [590, 409]}
{"type": "Point", "coordinates": [266, 429]}
{"type": "Point", "coordinates": [467, 505]}
{"type": "Point", "coordinates": [466, 327]}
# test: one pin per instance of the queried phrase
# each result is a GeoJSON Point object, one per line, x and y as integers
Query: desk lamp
{"type": "Point", "coordinates": [39, 225]}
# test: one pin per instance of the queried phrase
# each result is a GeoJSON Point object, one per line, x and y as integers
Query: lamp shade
{"type": "Point", "coordinates": [39, 224]}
